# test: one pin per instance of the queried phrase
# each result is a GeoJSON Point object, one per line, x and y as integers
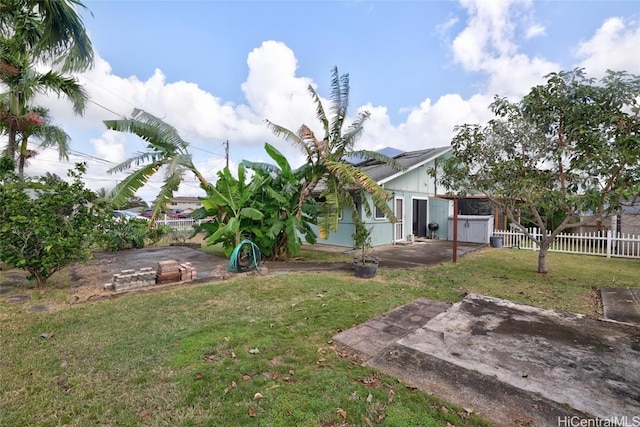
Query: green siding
{"type": "Point", "coordinates": [439, 213]}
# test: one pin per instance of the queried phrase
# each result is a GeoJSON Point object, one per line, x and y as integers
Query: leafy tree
{"type": "Point", "coordinates": [46, 223]}
{"type": "Point", "coordinates": [328, 158]}
{"type": "Point", "coordinates": [570, 147]}
{"type": "Point", "coordinates": [166, 149]}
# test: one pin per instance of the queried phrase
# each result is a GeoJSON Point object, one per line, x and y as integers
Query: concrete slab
{"type": "Point", "coordinates": [621, 304]}
{"type": "Point", "coordinates": [515, 364]}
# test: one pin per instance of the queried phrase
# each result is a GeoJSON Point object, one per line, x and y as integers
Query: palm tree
{"type": "Point", "coordinates": [35, 124]}
{"type": "Point", "coordinates": [15, 113]}
{"type": "Point", "coordinates": [50, 30]}
{"type": "Point", "coordinates": [328, 156]}
{"type": "Point", "coordinates": [166, 149]}
{"type": "Point", "coordinates": [33, 31]}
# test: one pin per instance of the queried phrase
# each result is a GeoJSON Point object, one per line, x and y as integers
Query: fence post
{"type": "Point", "coordinates": [609, 243]}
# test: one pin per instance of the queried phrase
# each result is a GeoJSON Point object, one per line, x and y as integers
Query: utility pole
{"type": "Point", "coordinates": [226, 151]}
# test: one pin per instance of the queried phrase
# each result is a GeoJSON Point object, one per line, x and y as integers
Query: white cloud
{"type": "Point", "coordinates": [110, 146]}
{"type": "Point", "coordinates": [614, 46]}
{"type": "Point", "coordinates": [535, 30]}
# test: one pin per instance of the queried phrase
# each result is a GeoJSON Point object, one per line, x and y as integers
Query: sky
{"type": "Point", "coordinates": [215, 70]}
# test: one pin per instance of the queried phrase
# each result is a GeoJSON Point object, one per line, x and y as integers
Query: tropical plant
{"type": "Point", "coordinates": [232, 205]}
{"type": "Point", "coordinates": [133, 202]}
{"type": "Point", "coordinates": [165, 150]}
{"type": "Point", "coordinates": [279, 197]}
{"type": "Point", "coordinates": [328, 159]}
{"type": "Point", "coordinates": [46, 223]}
{"type": "Point", "coordinates": [48, 135]}
{"type": "Point", "coordinates": [570, 147]}
{"type": "Point", "coordinates": [122, 233]}
{"type": "Point", "coordinates": [34, 32]}
{"type": "Point", "coordinates": [51, 30]}
{"type": "Point", "coordinates": [262, 210]}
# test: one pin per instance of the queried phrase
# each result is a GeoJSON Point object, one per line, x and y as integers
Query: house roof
{"type": "Point", "coordinates": [410, 160]}
{"type": "Point", "coordinates": [185, 199]}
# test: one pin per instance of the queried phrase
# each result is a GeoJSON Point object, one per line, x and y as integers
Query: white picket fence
{"type": "Point", "coordinates": [601, 244]}
{"type": "Point", "coordinates": [180, 223]}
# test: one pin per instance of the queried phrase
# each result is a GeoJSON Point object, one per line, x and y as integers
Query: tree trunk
{"type": "Point", "coordinates": [11, 142]}
{"type": "Point", "coordinates": [542, 256]}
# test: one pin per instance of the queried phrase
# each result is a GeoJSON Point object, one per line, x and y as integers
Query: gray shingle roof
{"type": "Point", "coordinates": [381, 172]}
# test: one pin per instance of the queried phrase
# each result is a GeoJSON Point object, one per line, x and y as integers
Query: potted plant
{"type": "Point", "coordinates": [365, 266]}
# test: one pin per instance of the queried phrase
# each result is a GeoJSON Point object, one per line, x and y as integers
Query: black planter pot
{"type": "Point", "coordinates": [366, 270]}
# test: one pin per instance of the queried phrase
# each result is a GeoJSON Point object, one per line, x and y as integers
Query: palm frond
{"type": "Point", "coordinates": [54, 136]}
{"type": "Point", "coordinates": [290, 136]}
{"type": "Point", "coordinates": [68, 86]}
{"type": "Point", "coordinates": [374, 155]}
{"type": "Point", "coordinates": [137, 160]}
{"type": "Point", "coordinates": [170, 186]}
{"type": "Point", "coordinates": [131, 184]}
{"type": "Point", "coordinates": [159, 135]}
{"type": "Point", "coordinates": [354, 131]}
{"type": "Point", "coordinates": [320, 114]}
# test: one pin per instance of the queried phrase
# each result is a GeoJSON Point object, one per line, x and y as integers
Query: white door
{"type": "Point", "coordinates": [399, 226]}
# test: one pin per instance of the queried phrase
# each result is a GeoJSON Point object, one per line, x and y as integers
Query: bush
{"type": "Point", "coordinates": [46, 223]}
{"type": "Point", "coordinates": [121, 234]}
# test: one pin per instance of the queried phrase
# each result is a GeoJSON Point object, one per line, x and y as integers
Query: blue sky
{"type": "Point", "coordinates": [217, 69]}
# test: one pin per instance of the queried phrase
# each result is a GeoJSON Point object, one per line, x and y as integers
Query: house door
{"type": "Point", "coordinates": [399, 226]}
{"type": "Point", "coordinates": [420, 209]}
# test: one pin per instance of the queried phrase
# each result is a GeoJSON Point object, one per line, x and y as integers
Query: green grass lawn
{"type": "Point", "coordinates": [255, 350]}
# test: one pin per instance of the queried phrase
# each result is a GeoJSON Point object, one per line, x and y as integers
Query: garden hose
{"type": "Point", "coordinates": [244, 257]}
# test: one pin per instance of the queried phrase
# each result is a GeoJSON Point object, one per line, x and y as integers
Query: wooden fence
{"type": "Point", "coordinates": [601, 244]}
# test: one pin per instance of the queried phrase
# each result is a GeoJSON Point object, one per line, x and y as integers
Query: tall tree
{"type": "Point", "coordinates": [37, 126]}
{"type": "Point", "coordinates": [328, 158]}
{"type": "Point", "coordinates": [50, 30]}
{"type": "Point", "coordinates": [570, 148]}
{"type": "Point", "coordinates": [32, 32]}
{"type": "Point", "coordinates": [165, 150]}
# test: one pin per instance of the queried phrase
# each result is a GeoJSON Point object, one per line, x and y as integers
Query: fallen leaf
{"type": "Point", "coordinates": [199, 376]}
{"type": "Point", "coordinates": [342, 413]}
{"type": "Point", "coordinates": [144, 415]}
{"type": "Point", "coordinates": [321, 350]}
{"type": "Point", "coordinates": [370, 398]}
{"type": "Point", "coordinates": [46, 335]}
{"type": "Point", "coordinates": [233, 355]}
{"type": "Point", "coordinates": [227, 339]}
{"type": "Point", "coordinates": [391, 395]}
{"type": "Point", "coordinates": [251, 412]}
{"type": "Point", "coordinates": [329, 341]}
{"type": "Point", "coordinates": [468, 410]}
{"type": "Point", "coordinates": [246, 377]}
{"type": "Point", "coordinates": [257, 396]}
{"type": "Point", "coordinates": [276, 360]}
{"type": "Point", "coordinates": [275, 376]}
{"type": "Point", "coordinates": [176, 344]}
{"type": "Point", "coordinates": [292, 372]}
{"type": "Point", "coordinates": [444, 410]}
{"type": "Point", "coordinates": [233, 385]}
{"type": "Point", "coordinates": [254, 351]}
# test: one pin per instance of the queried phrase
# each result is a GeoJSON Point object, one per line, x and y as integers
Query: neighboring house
{"type": "Point", "coordinates": [414, 201]}
{"type": "Point", "coordinates": [185, 204]}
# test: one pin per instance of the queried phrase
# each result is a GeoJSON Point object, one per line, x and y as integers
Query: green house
{"type": "Point", "coordinates": [413, 202]}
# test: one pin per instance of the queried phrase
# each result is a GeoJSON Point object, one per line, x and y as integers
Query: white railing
{"type": "Point", "coordinates": [180, 223]}
{"type": "Point", "coordinates": [601, 244]}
